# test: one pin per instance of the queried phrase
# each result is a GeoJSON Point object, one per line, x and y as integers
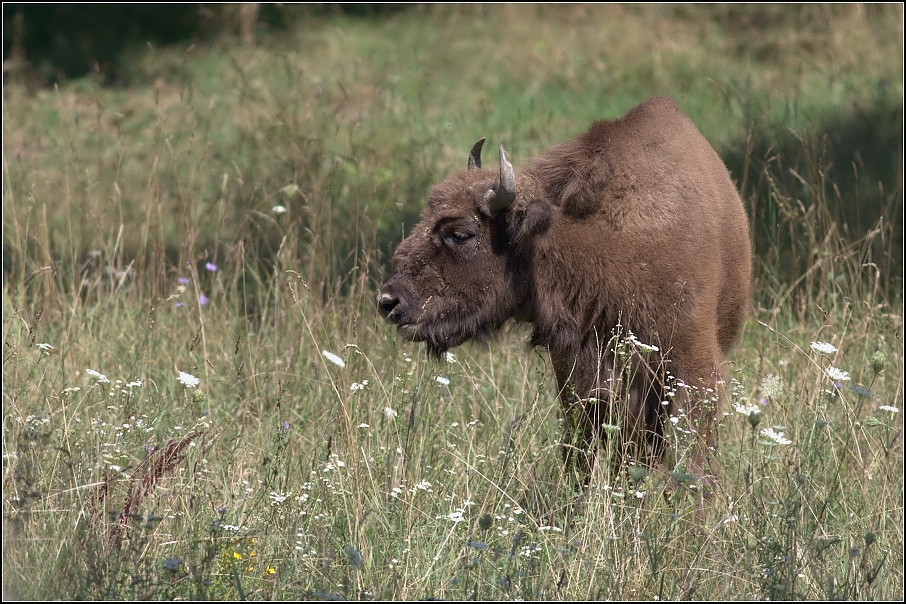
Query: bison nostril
{"type": "Point", "coordinates": [386, 303]}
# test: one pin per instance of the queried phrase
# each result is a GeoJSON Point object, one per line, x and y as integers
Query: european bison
{"type": "Point", "coordinates": [630, 234]}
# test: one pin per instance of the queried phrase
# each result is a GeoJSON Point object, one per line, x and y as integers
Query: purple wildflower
{"type": "Point", "coordinates": [184, 280]}
{"type": "Point", "coordinates": [211, 266]}
{"type": "Point", "coordinates": [202, 299]}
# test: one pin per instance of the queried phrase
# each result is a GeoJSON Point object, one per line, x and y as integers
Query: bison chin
{"type": "Point", "coordinates": [440, 337]}
{"type": "Point", "coordinates": [442, 325]}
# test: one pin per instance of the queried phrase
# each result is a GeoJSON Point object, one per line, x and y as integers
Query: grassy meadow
{"type": "Point", "coordinates": [201, 402]}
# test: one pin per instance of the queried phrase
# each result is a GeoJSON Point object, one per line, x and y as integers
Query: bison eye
{"type": "Point", "coordinates": [458, 237]}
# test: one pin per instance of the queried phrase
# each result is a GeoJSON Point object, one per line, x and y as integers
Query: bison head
{"type": "Point", "coordinates": [460, 274]}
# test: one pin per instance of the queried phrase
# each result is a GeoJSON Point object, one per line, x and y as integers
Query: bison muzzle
{"type": "Point", "coordinates": [632, 233]}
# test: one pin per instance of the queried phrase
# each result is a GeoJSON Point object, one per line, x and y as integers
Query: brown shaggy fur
{"type": "Point", "coordinates": [634, 225]}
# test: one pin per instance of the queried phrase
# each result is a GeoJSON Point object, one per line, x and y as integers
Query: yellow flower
{"type": "Point", "coordinates": [237, 555]}
{"type": "Point", "coordinates": [271, 570]}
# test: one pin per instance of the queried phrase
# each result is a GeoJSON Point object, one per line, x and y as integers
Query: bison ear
{"type": "Point", "coordinates": [500, 198]}
{"type": "Point", "coordinates": [475, 155]}
{"type": "Point", "coordinates": [531, 221]}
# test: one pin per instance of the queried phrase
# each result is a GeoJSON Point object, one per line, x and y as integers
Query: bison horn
{"type": "Point", "coordinates": [475, 155]}
{"type": "Point", "coordinates": [500, 198]}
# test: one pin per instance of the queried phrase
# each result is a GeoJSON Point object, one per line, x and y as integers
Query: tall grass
{"type": "Point", "coordinates": [141, 240]}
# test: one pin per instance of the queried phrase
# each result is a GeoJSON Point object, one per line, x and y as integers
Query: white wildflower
{"type": "Point", "coordinates": [642, 347]}
{"type": "Point", "coordinates": [442, 381]}
{"type": "Point", "coordinates": [837, 375]}
{"type": "Point", "coordinates": [188, 380]}
{"type": "Point", "coordinates": [423, 486]}
{"type": "Point", "coordinates": [455, 516]}
{"type": "Point", "coordinates": [448, 357]}
{"type": "Point", "coordinates": [45, 347]}
{"type": "Point", "coordinates": [333, 358]}
{"type": "Point", "coordinates": [746, 410]}
{"type": "Point", "coordinates": [100, 378]}
{"type": "Point", "coordinates": [824, 347]}
{"type": "Point", "coordinates": [358, 385]}
{"type": "Point", "coordinates": [279, 210]}
{"type": "Point", "coordinates": [389, 412]}
{"type": "Point", "coordinates": [888, 408]}
{"type": "Point", "coordinates": [278, 498]}
{"type": "Point", "coordinates": [771, 386]}
{"type": "Point", "coordinates": [776, 437]}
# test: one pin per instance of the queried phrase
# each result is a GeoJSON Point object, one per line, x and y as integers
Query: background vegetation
{"type": "Point", "coordinates": [143, 236]}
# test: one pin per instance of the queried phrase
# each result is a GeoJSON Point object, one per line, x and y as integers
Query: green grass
{"type": "Point", "coordinates": [284, 476]}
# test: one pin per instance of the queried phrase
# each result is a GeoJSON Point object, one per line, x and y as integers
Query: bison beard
{"type": "Point", "coordinates": [634, 225]}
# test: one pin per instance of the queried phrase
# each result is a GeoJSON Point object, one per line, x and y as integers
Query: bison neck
{"type": "Point", "coordinates": [571, 301]}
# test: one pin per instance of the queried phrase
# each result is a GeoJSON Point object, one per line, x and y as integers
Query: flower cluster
{"type": "Point", "coordinates": [99, 377]}
{"type": "Point", "coordinates": [746, 410]}
{"type": "Point", "coordinates": [837, 375]}
{"type": "Point", "coordinates": [771, 386]}
{"type": "Point", "coordinates": [824, 347]}
{"type": "Point", "coordinates": [188, 380]}
{"type": "Point", "coordinates": [774, 437]}
{"type": "Point", "coordinates": [183, 283]}
{"type": "Point", "coordinates": [639, 345]}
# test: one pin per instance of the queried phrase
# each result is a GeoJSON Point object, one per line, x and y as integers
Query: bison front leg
{"type": "Point", "coordinates": [611, 407]}
{"type": "Point", "coordinates": [590, 395]}
{"type": "Point", "coordinates": [580, 435]}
